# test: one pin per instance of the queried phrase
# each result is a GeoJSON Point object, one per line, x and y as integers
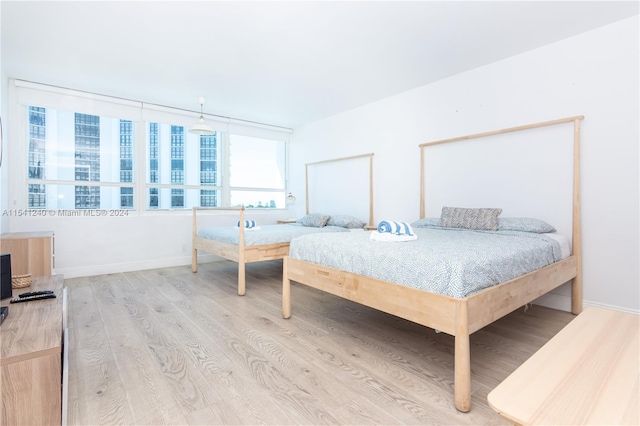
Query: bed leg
{"type": "Point", "coordinates": [286, 291]}
{"type": "Point", "coordinates": [194, 260]}
{"type": "Point", "coordinates": [241, 279]}
{"type": "Point", "coordinates": [576, 294]}
{"type": "Point", "coordinates": [462, 366]}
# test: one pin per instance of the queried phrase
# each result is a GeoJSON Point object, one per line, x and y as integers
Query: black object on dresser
{"type": "Point", "coordinates": [5, 276]}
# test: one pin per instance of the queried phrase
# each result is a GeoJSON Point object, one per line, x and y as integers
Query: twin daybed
{"type": "Point", "coordinates": [450, 279]}
{"type": "Point", "coordinates": [242, 245]}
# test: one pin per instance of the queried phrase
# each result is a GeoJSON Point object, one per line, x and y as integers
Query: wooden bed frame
{"type": "Point", "coordinates": [457, 317]}
{"type": "Point", "coordinates": [243, 254]}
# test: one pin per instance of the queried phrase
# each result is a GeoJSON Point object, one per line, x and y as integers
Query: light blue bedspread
{"type": "Point", "coordinates": [454, 263]}
{"type": "Point", "coordinates": [269, 234]}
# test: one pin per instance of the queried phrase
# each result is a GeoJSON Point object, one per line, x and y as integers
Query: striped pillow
{"type": "Point", "coordinates": [479, 219]}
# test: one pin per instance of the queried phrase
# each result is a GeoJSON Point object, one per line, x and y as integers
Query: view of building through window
{"type": "Point", "coordinates": [36, 157]}
{"type": "Point", "coordinates": [85, 161]}
{"type": "Point", "coordinates": [126, 163]}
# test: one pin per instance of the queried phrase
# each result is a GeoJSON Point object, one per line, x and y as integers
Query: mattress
{"type": "Point", "coordinates": [452, 262]}
{"type": "Point", "coordinates": [269, 234]}
{"type": "Point", "coordinates": [563, 240]}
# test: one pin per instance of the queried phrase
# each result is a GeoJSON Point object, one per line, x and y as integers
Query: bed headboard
{"type": "Point", "coordinates": [530, 170]}
{"type": "Point", "coordinates": [359, 183]}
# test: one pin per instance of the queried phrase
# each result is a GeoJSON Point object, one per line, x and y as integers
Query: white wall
{"type": "Point", "coordinates": [593, 74]}
{"type": "Point", "coordinates": [86, 246]}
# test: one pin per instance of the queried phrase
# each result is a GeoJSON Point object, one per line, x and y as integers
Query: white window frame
{"type": "Point", "coordinates": [22, 94]}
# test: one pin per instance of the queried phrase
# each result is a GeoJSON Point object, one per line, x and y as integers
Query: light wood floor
{"type": "Point", "coordinates": [168, 346]}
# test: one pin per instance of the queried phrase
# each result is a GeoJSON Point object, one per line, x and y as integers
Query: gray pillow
{"type": "Point", "coordinates": [316, 220]}
{"type": "Point", "coordinates": [485, 219]}
{"type": "Point", "coordinates": [346, 221]}
{"type": "Point", "coordinates": [428, 222]}
{"type": "Point", "coordinates": [524, 224]}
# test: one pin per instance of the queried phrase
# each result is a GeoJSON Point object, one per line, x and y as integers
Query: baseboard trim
{"type": "Point", "coordinates": [115, 268]}
{"type": "Point", "coordinates": [563, 303]}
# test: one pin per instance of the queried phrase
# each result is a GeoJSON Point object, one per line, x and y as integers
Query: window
{"type": "Point", "coordinates": [183, 168]}
{"type": "Point", "coordinates": [257, 172]}
{"type": "Point", "coordinates": [67, 148]}
{"type": "Point", "coordinates": [87, 151]}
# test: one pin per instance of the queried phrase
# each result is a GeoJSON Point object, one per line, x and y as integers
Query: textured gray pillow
{"type": "Point", "coordinates": [346, 221]}
{"type": "Point", "coordinates": [524, 224]}
{"type": "Point", "coordinates": [316, 220]}
{"type": "Point", "coordinates": [479, 219]}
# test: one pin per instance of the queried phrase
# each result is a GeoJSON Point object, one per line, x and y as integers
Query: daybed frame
{"type": "Point", "coordinates": [457, 317]}
{"type": "Point", "coordinates": [243, 254]}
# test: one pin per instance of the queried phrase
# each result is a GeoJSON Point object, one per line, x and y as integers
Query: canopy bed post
{"type": "Point", "coordinates": [576, 243]}
{"type": "Point", "coordinates": [306, 187]}
{"type": "Point", "coordinates": [241, 259]}
{"type": "Point", "coordinates": [422, 183]}
{"type": "Point", "coordinates": [371, 189]}
{"type": "Point", "coordinates": [194, 251]}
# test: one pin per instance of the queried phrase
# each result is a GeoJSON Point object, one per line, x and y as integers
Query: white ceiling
{"type": "Point", "coordinates": [281, 63]}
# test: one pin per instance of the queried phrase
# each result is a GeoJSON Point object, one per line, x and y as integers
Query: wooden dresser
{"type": "Point", "coordinates": [32, 356]}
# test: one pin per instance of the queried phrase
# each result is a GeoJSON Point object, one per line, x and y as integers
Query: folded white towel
{"type": "Point", "coordinates": [398, 228]}
{"type": "Point", "coordinates": [386, 236]}
{"type": "Point", "coordinates": [248, 224]}
{"type": "Point", "coordinates": [255, 228]}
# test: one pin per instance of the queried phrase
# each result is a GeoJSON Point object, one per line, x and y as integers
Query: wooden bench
{"type": "Point", "coordinates": [587, 374]}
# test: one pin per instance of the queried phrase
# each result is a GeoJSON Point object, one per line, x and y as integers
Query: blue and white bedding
{"type": "Point", "coordinates": [269, 234]}
{"type": "Point", "coordinates": [452, 262]}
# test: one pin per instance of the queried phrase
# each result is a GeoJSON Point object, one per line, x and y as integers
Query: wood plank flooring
{"type": "Point", "coordinates": [168, 346]}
